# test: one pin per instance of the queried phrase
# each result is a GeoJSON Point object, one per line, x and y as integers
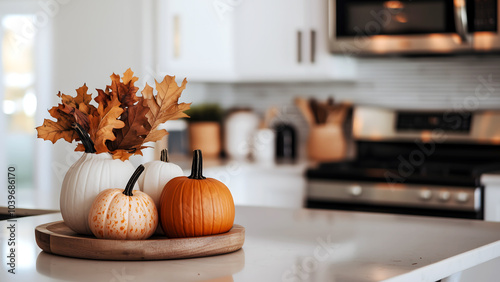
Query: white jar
{"type": "Point", "coordinates": [264, 146]}
{"type": "Point", "coordinates": [239, 128]}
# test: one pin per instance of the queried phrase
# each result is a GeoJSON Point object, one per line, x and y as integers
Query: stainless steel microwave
{"type": "Point", "coordinates": [358, 27]}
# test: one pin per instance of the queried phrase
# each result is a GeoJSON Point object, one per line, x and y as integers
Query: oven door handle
{"type": "Point", "coordinates": [460, 11]}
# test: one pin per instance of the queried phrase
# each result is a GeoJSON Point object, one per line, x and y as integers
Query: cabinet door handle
{"type": "Point", "coordinates": [313, 46]}
{"type": "Point", "coordinates": [299, 46]}
{"type": "Point", "coordinates": [177, 36]}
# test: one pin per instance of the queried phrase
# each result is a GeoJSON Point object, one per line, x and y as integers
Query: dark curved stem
{"type": "Point", "coordinates": [164, 155]}
{"type": "Point", "coordinates": [84, 136]}
{"type": "Point", "coordinates": [197, 167]}
{"type": "Point", "coordinates": [132, 181]}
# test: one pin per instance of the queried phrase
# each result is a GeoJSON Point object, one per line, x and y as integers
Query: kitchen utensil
{"type": "Point", "coordinates": [330, 101]}
{"type": "Point", "coordinates": [57, 238]}
{"type": "Point", "coordinates": [337, 113]}
{"type": "Point", "coordinates": [270, 114]}
{"type": "Point", "coordinates": [315, 108]}
{"type": "Point", "coordinates": [304, 108]}
{"type": "Point", "coordinates": [322, 110]}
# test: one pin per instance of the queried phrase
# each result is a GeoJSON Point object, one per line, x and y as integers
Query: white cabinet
{"type": "Point", "coordinates": [258, 40]}
{"type": "Point", "coordinates": [192, 40]}
{"type": "Point", "coordinates": [491, 183]}
{"type": "Point", "coordinates": [253, 184]}
{"type": "Point", "coordinates": [267, 37]}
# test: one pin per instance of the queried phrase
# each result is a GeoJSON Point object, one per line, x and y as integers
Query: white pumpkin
{"type": "Point", "coordinates": [156, 175]}
{"type": "Point", "coordinates": [85, 179]}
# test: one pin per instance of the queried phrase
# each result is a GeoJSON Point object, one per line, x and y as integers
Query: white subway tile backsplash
{"type": "Point", "coordinates": [419, 82]}
{"type": "Point", "coordinates": [470, 82]}
{"type": "Point", "coordinates": [461, 82]}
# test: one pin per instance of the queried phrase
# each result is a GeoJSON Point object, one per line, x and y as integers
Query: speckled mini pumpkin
{"type": "Point", "coordinates": [119, 214]}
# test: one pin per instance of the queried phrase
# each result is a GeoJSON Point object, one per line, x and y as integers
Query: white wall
{"type": "Point", "coordinates": [91, 40]}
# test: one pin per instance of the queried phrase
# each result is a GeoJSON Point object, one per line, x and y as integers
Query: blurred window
{"type": "Point", "coordinates": [19, 97]}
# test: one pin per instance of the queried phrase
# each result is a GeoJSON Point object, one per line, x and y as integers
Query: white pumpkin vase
{"type": "Point", "coordinates": [85, 179]}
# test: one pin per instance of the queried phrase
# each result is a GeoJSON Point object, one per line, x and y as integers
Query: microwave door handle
{"type": "Point", "coordinates": [460, 10]}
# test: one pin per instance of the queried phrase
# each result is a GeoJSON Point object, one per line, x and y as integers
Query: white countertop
{"type": "Point", "coordinates": [288, 245]}
{"type": "Point", "coordinates": [491, 178]}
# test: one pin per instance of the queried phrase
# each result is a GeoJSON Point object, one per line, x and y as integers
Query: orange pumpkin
{"type": "Point", "coordinates": [195, 205]}
{"type": "Point", "coordinates": [119, 214]}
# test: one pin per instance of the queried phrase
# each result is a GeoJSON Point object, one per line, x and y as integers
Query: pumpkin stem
{"type": "Point", "coordinates": [197, 167]}
{"type": "Point", "coordinates": [84, 136]}
{"type": "Point", "coordinates": [132, 181]}
{"type": "Point", "coordinates": [164, 155]}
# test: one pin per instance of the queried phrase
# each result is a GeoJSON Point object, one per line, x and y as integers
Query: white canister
{"type": "Point", "coordinates": [263, 147]}
{"type": "Point", "coordinates": [239, 128]}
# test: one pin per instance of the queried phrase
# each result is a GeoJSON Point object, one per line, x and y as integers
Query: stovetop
{"type": "Point", "coordinates": [443, 164]}
{"type": "Point", "coordinates": [435, 159]}
{"type": "Point", "coordinates": [432, 173]}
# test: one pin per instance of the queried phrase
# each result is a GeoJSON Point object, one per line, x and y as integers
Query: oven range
{"type": "Point", "coordinates": [411, 162]}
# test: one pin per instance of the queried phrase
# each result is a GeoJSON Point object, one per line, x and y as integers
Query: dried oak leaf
{"type": "Point", "coordinates": [164, 106]}
{"type": "Point", "coordinates": [55, 130]}
{"type": "Point", "coordinates": [98, 122]}
{"type": "Point", "coordinates": [81, 97]}
{"type": "Point", "coordinates": [102, 124]}
{"type": "Point", "coordinates": [72, 109]}
{"type": "Point", "coordinates": [125, 91]}
{"type": "Point", "coordinates": [105, 128]}
{"type": "Point", "coordinates": [124, 155]}
{"type": "Point", "coordinates": [132, 135]}
{"type": "Point", "coordinates": [143, 118]}
{"type": "Point", "coordinates": [103, 98]}
{"type": "Point", "coordinates": [79, 116]}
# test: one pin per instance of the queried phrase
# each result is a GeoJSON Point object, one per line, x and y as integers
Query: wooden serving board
{"type": "Point", "coordinates": [57, 238]}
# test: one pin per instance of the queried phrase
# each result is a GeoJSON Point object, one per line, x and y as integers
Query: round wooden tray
{"type": "Point", "coordinates": [57, 238]}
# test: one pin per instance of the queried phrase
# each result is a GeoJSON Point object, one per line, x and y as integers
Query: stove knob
{"type": "Point", "coordinates": [355, 190]}
{"type": "Point", "coordinates": [462, 197]}
{"type": "Point", "coordinates": [425, 194]}
{"type": "Point", "coordinates": [444, 196]}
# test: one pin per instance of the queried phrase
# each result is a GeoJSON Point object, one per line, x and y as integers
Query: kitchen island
{"type": "Point", "coordinates": [287, 245]}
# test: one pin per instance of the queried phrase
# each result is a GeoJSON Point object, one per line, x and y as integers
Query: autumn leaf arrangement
{"type": "Point", "coordinates": [123, 122]}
